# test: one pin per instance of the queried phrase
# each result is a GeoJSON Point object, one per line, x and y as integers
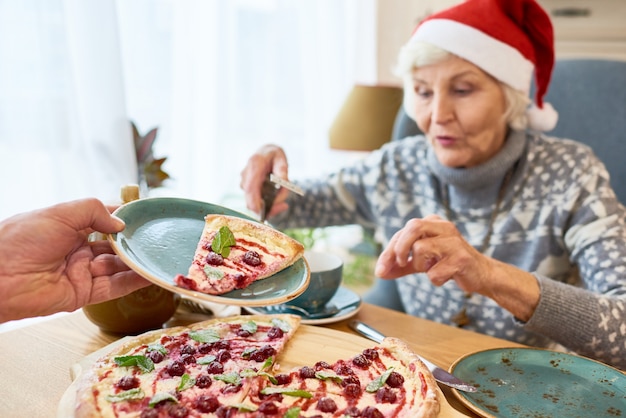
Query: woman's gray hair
{"type": "Point", "coordinates": [419, 54]}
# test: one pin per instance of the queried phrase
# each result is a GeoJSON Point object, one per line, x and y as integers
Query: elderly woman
{"type": "Point", "coordinates": [487, 223]}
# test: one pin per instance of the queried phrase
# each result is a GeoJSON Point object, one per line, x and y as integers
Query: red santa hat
{"type": "Point", "coordinates": [508, 39]}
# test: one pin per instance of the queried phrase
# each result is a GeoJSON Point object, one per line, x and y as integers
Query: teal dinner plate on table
{"type": "Point", "coordinates": [529, 382]}
{"type": "Point", "coordinates": [160, 240]}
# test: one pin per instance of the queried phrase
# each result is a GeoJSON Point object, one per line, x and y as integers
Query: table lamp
{"type": "Point", "coordinates": [365, 121]}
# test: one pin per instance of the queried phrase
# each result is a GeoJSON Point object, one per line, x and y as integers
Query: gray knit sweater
{"type": "Point", "coordinates": [559, 220]}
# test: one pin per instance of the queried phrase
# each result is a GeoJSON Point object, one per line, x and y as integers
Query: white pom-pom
{"type": "Point", "coordinates": [543, 119]}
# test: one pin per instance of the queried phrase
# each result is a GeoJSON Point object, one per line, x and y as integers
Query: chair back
{"type": "Point", "coordinates": [590, 96]}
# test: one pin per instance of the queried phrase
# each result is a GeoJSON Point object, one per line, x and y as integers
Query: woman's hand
{"type": "Point", "coordinates": [268, 159]}
{"type": "Point", "coordinates": [435, 247]}
{"type": "Point", "coordinates": [47, 264]}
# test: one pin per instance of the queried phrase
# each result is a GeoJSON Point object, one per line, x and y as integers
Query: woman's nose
{"type": "Point", "coordinates": [441, 109]}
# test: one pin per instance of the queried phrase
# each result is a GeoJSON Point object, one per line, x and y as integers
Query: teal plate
{"type": "Point", "coordinates": [529, 382]}
{"type": "Point", "coordinates": [160, 239]}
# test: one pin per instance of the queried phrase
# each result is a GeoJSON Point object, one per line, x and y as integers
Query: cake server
{"type": "Point", "coordinates": [439, 374]}
{"type": "Point", "coordinates": [271, 186]}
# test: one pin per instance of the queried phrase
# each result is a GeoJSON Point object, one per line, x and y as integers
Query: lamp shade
{"type": "Point", "coordinates": [365, 121]}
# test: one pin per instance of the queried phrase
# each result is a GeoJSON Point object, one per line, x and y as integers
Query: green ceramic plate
{"type": "Point", "coordinates": [528, 382]}
{"type": "Point", "coordinates": [160, 239]}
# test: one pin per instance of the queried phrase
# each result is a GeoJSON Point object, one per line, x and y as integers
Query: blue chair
{"type": "Point", "coordinates": [590, 96]}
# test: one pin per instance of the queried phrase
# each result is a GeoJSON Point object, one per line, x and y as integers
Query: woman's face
{"type": "Point", "coordinates": [461, 109]}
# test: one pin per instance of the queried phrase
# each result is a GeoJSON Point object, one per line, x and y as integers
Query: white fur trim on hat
{"type": "Point", "coordinates": [496, 58]}
{"type": "Point", "coordinates": [543, 119]}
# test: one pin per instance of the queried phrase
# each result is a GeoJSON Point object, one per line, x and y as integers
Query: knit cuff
{"type": "Point", "coordinates": [563, 313]}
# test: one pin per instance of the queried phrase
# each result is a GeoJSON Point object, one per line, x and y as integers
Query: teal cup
{"type": "Point", "coordinates": [326, 276]}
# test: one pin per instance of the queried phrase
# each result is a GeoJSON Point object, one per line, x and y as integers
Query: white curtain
{"type": "Point", "coordinates": [63, 123]}
{"type": "Point", "coordinates": [219, 78]}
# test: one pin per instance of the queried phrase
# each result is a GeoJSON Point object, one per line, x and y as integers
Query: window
{"type": "Point", "coordinates": [218, 78]}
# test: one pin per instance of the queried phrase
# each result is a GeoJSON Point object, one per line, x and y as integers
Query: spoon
{"type": "Point", "coordinates": [327, 311]}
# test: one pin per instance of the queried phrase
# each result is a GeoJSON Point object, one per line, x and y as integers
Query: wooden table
{"type": "Point", "coordinates": [36, 359]}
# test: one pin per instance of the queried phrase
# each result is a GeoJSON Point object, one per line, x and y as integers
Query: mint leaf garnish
{"type": "Point", "coordinates": [292, 412]}
{"type": "Point", "coordinates": [299, 393]}
{"type": "Point", "coordinates": [157, 347]}
{"type": "Point", "coordinates": [205, 336]}
{"type": "Point", "coordinates": [162, 396]}
{"type": "Point", "coordinates": [213, 273]}
{"type": "Point", "coordinates": [323, 375]}
{"type": "Point", "coordinates": [223, 240]}
{"type": "Point", "coordinates": [206, 359]}
{"type": "Point", "coordinates": [267, 363]}
{"type": "Point", "coordinates": [249, 326]}
{"type": "Point", "coordinates": [232, 378]}
{"type": "Point", "coordinates": [186, 382]}
{"type": "Point", "coordinates": [241, 407]}
{"type": "Point", "coordinates": [379, 382]}
{"type": "Point", "coordinates": [246, 353]}
{"type": "Point", "coordinates": [282, 324]}
{"type": "Point", "coordinates": [127, 395]}
{"type": "Point", "coordinates": [143, 362]}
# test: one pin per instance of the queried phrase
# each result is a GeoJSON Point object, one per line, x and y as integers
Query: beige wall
{"type": "Point", "coordinates": [601, 32]}
{"type": "Point", "coordinates": [396, 20]}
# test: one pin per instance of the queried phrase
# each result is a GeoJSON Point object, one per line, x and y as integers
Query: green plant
{"type": "Point", "coordinates": [358, 268]}
{"type": "Point", "coordinates": [149, 168]}
{"type": "Point", "coordinates": [358, 273]}
{"type": "Point", "coordinates": [306, 236]}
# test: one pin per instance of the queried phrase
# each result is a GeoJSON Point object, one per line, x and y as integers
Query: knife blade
{"type": "Point", "coordinates": [439, 374]}
{"type": "Point", "coordinates": [270, 189]}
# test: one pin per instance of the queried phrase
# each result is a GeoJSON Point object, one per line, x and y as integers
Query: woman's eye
{"type": "Point", "coordinates": [423, 93]}
{"type": "Point", "coordinates": [462, 91]}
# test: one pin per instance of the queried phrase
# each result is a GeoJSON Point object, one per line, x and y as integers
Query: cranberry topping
{"type": "Point", "coordinates": [176, 368]}
{"type": "Point", "coordinates": [188, 359]}
{"type": "Point", "coordinates": [274, 333]}
{"type": "Point", "coordinates": [177, 411]}
{"type": "Point", "coordinates": [371, 412]}
{"type": "Point", "coordinates": [128, 382]}
{"type": "Point", "coordinates": [385, 395]}
{"type": "Point", "coordinates": [370, 353]}
{"type": "Point", "coordinates": [361, 361]}
{"type": "Point", "coordinates": [342, 369]}
{"type": "Point", "coordinates": [226, 411]}
{"type": "Point", "coordinates": [395, 380]}
{"type": "Point", "coordinates": [326, 405]}
{"type": "Point", "coordinates": [205, 348]}
{"type": "Point", "coordinates": [268, 408]}
{"type": "Point", "coordinates": [222, 356]}
{"type": "Point", "coordinates": [230, 388]}
{"type": "Point", "coordinates": [149, 413]}
{"type": "Point", "coordinates": [188, 349]}
{"type": "Point", "coordinates": [321, 365]}
{"type": "Point", "coordinates": [350, 380]}
{"type": "Point", "coordinates": [204, 381]}
{"type": "Point", "coordinates": [352, 390]}
{"type": "Point", "coordinates": [307, 373]}
{"type": "Point", "coordinates": [215, 367]}
{"type": "Point", "coordinates": [243, 333]}
{"type": "Point", "coordinates": [207, 404]}
{"type": "Point", "coordinates": [241, 280]}
{"type": "Point", "coordinates": [283, 379]}
{"type": "Point", "coordinates": [252, 258]}
{"type": "Point", "coordinates": [214, 259]}
{"type": "Point", "coordinates": [274, 397]}
{"type": "Point", "coordinates": [155, 356]}
{"type": "Point", "coordinates": [262, 353]}
{"type": "Point", "coordinates": [221, 345]}
{"type": "Point", "coordinates": [352, 411]}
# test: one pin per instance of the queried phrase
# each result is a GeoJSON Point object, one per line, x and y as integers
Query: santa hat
{"type": "Point", "coordinates": [508, 39]}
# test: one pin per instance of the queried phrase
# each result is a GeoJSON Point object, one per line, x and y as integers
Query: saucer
{"type": "Point", "coordinates": [343, 297]}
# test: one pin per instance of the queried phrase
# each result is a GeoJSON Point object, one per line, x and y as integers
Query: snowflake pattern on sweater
{"type": "Point", "coordinates": [559, 220]}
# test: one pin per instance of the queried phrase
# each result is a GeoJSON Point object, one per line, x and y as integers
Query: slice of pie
{"type": "Point", "coordinates": [234, 252]}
